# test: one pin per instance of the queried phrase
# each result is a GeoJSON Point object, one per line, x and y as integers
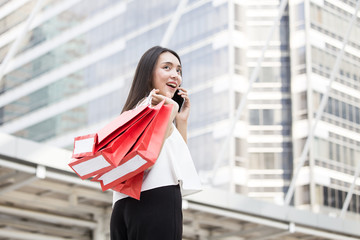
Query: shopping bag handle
{"type": "Point", "coordinates": [148, 99]}
{"type": "Point", "coordinates": [146, 102]}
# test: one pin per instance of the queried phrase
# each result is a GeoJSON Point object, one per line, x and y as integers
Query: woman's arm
{"type": "Point", "coordinates": [182, 128]}
{"type": "Point", "coordinates": [156, 99]}
{"type": "Point", "coordinates": [182, 117]}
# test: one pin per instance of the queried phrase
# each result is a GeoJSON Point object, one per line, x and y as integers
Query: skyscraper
{"type": "Point", "coordinates": [73, 69]}
{"type": "Point", "coordinates": [317, 32]}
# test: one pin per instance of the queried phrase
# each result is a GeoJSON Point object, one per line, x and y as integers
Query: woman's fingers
{"type": "Point", "coordinates": [183, 90]}
{"type": "Point", "coordinates": [184, 94]}
{"type": "Point", "coordinates": [157, 98]}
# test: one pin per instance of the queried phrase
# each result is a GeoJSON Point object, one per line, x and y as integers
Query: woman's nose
{"type": "Point", "coordinates": [174, 72]}
{"type": "Point", "coordinates": [175, 75]}
{"type": "Point", "coordinates": [179, 79]}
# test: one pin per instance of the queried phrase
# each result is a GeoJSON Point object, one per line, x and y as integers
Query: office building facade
{"type": "Point", "coordinates": [318, 30]}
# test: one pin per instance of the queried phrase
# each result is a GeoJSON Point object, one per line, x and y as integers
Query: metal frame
{"type": "Point", "coordinates": [283, 220]}
{"type": "Point", "coordinates": [58, 204]}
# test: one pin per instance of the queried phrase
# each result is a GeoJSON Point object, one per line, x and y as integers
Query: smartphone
{"type": "Point", "coordinates": [177, 98]}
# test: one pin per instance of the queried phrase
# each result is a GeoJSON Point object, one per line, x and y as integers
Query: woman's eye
{"type": "Point", "coordinates": [166, 67]}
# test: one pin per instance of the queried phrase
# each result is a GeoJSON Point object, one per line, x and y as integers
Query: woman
{"type": "Point", "coordinates": [158, 214]}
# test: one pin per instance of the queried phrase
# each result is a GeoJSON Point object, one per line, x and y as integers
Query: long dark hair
{"type": "Point", "coordinates": [142, 83]}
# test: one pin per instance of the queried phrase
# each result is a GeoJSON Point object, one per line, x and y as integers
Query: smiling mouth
{"type": "Point", "coordinates": [172, 85]}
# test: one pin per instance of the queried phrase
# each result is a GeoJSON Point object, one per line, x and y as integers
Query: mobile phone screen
{"type": "Point", "coordinates": [177, 98]}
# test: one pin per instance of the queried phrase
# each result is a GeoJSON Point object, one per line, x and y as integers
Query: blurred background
{"type": "Point", "coordinates": [275, 93]}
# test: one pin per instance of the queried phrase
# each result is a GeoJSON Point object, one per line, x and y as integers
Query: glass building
{"type": "Point", "coordinates": [317, 32]}
{"type": "Point", "coordinates": [74, 65]}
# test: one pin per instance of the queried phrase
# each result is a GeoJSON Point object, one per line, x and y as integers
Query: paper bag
{"type": "Point", "coordinates": [143, 154]}
{"type": "Point", "coordinates": [131, 187]}
{"type": "Point", "coordinates": [84, 145]}
{"type": "Point", "coordinates": [86, 167]}
{"type": "Point", "coordinates": [118, 148]}
{"type": "Point", "coordinates": [119, 125]}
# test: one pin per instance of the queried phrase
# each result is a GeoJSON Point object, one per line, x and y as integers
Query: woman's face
{"type": "Point", "coordinates": [167, 74]}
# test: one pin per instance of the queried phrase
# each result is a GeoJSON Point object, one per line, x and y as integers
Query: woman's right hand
{"type": "Point", "coordinates": [156, 98]}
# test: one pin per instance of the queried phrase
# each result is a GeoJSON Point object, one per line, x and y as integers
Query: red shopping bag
{"type": "Point", "coordinates": [88, 161]}
{"type": "Point", "coordinates": [86, 167]}
{"type": "Point", "coordinates": [84, 145]}
{"type": "Point", "coordinates": [120, 124]}
{"type": "Point", "coordinates": [88, 145]}
{"type": "Point", "coordinates": [131, 187]}
{"type": "Point", "coordinates": [110, 156]}
{"type": "Point", "coordinates": [120, 146]}
{"type": "Point", "coordinates": [143, 154]}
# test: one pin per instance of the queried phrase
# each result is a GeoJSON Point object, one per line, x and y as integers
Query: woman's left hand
{"type": "Point", "coordinates": [184, 113]}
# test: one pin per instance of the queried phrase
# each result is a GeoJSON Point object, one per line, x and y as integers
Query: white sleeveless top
{"type": "Point", "coordinates": [174, 166]}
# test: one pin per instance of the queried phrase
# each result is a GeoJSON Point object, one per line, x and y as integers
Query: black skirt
{"type": "Point", "coordinates": [156, 216]}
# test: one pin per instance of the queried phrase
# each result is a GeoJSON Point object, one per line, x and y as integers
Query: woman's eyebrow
{"type": "Point", "coordinates": [170, 63]}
